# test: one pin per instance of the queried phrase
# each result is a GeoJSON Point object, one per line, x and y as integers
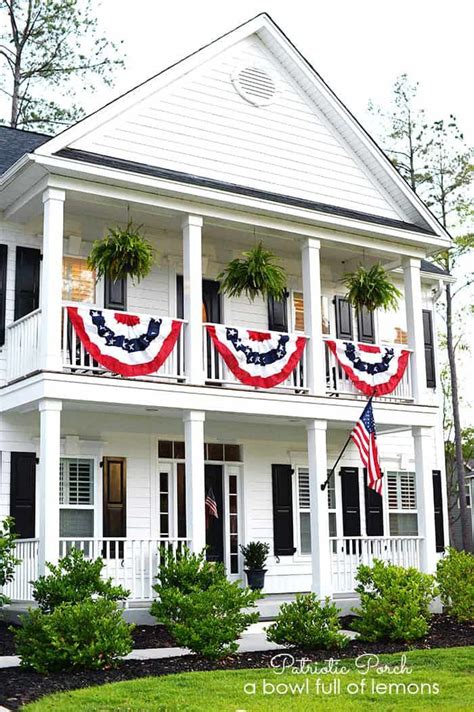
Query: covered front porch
{"type": "Point", "coordinates": [121, 485]}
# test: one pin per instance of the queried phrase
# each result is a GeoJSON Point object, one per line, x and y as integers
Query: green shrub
{"type": "Point", "coordinates": [394, 602]}
{"type": "Point", "coordinates": [89, 634]}
{"type": "Point", "coordinates": [455, 576]}
{"type": "Point", "coordinates": [208, 621]}
{"type": "Point", "coordinates": [308, 623]}
{"type": "Point", "coordinates": [73, 580]}
{"type": "Point", "coordinates": [8, 560]}
{"type": "Point", "coordinates": [201, 609]}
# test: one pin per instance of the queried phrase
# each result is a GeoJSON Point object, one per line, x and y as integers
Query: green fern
{"type": "Point", "coordinates": [122, 253]}
{"type": "Point", "coordinates": [371, 288]}
{"type": "Point", "coordinates": [255, 273]}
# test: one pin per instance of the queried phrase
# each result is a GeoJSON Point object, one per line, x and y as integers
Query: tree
{"type": "Point", "coordinates": [51, 47]}
{"type": "Point", "coordinates": [435, 160]}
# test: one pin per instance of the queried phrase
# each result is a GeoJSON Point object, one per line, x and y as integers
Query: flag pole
{"type": "Point", "coordinates": [326, 482]}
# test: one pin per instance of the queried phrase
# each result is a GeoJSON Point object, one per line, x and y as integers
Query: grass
{"type": "Point", "coordinates": [449, 669]}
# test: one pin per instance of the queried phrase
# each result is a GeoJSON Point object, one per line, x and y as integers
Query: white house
{"type": "Point", "coordinates": [241, 141]}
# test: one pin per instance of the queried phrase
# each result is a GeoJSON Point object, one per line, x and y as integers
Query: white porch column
{"type": "Point", "coordinates": [317, 463]}
{"type": "Point", "coordinates": [414, 307]}
{"type": "Point", "coordinates": [194, 445]}
{"type": "Point", "coordinates": [425, 450]}
{"type": "Point", "coordinates": [48, 481]}
{"type": "Point", "coordinates": [192, 288]}
{"type": "Point", "coordinates": [51, 281]}
{"type": "Point", "coordinates": [315, 356]}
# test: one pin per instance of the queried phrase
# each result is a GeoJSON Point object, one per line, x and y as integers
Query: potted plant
{"type": "Point", "coordinates": [255, 556]}
{"type": "Point", "coordinates": [371, 288]}
{"type": "Point", "coordinates": [255, 273]}
{"type": "Point", "coordinates": [124, 252]}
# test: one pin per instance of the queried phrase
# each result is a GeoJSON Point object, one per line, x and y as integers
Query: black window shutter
{"type": "Point", "coordinates": [115, 294]}
{"type": "Point", "coordinates": [278, 314]}
{"type": "Point", "coordinates": [179, 297]}
{"type": "Point", "coordinates": [438, 510]}
{"type": "Point", "coordinates": [365, 326]}
{"type": "Point", "coordinates": [373, 510]}
{"type": "Point", "coordinates": [282, 510]}
{"type": "Point", "coordinates": [27, 281]}
{"type": "Point", "coordinates": [429, 348]}
{"type": "Point", "coordinates": [22, 493]}
{"type": "Point", "coordinates": [350, 501]}
{"type": "Point", "coordinates": [115, 502]}
{"type": "Point", "coordinates": [3, 290]}
{"type": "Point", "coordinates": [344, 326]}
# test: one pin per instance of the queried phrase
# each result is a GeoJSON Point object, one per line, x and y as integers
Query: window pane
{"type": "Point", "coordinates": [299, 311]}
{"type": "Point", "coordinates": [407, 490]}
{"type": "Point", "coordinates": [305, 533]}
{"type": "Point", "coordinates": [215, 451]}
{"type": "Point", "coordinates": [303, 488]}
{"type": "Point", "coordinates": [78, 281]}
{"type": "Point", "coordinates": [178, 450]}
{"type": "Point", "coordinates": [232, 453]}
{"type": "Point", "coordinates": [81, 482]}
{"type": "Point", "coordinates": [332, 524]}
{"type": "Point", "coordinates": [165, 449]}
{"type": "Point", "coordinates": [76, 522]}
{"type": "Point", "coordinates": [403, 525]}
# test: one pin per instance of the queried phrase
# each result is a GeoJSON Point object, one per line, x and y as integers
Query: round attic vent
{"type": "Point", "coordinates": [255, 85]}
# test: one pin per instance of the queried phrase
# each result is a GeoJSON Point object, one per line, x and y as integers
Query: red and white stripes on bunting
{"type": "Point", "coordinates": [374, 370]}
{"type": "Point", "coordinates": [261, 359]}
{"type": "Point", "coordinates": [127, 344]}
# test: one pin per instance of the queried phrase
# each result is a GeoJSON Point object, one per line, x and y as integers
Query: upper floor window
{"type": "Point", "coordinates": [78, 281]}
{"type": "Point", "coordinates": [401, 493]}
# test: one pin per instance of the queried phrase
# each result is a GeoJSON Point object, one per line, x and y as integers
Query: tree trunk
{"type": "Point", "coordinates": [15, 95]}
{"type": "Point", "coordinates": [459, 459]}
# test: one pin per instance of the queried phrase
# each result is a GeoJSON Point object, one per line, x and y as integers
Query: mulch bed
{"type": "Point", "coordinates": [19, 686]}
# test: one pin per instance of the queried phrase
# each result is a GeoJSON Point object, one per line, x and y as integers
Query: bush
{"type": "Point", "coordinates": [8, 560]}
{"type": "Point", "coordinates": [394, 602]}
{"type": "Point", "coordinates": [308, 623]}
{"type": "Point", "coordinates": [89, 634]}
{"type": "Point", "coordinates": [208, 621]}
{"type": "Point", "coordinates": [198, 605]}
{"type": "Point", "coordinates": [73, 580]}
{"type": "Point", "coordinates": [455, 576]}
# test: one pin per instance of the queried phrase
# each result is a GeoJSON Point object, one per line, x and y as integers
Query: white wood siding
{"type": "Point", "coordinates": [201, 125]}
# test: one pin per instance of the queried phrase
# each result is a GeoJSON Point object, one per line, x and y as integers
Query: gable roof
{"type": "Point", "coordinates": [14, 143]}
{"type": "Point", "coordinates": [396, 203]}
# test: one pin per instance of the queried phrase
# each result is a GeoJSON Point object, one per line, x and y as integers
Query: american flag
{"type": "Point", "coordinates": [211, 504]}
{"type": "Point", "coordinates": [365, 437]}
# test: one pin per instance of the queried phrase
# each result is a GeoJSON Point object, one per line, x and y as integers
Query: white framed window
{"type": "Point", "coordinates": [402, 508]}
{"type": "Point", "coordinates": [79, 282]}
{"type": "Point", "coordinates": [76, 497]}
{"type": "Point", "coordinates": [303, 524]}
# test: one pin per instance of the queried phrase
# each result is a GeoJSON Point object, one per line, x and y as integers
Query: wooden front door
{"type": "Point", "coordinates": [214, 525]}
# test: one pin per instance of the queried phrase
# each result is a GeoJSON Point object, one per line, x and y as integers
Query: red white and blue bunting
{"type": "Point", "coordinates": [374, 370]}
{"type": "Point", "coordinates": [128, 344]}
{"type": "Point", "coordinates": [262, 359]}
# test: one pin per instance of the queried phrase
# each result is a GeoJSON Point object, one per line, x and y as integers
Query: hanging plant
{"type": "Point", "coordinates": [371, 288]}
{"type": "Point", "coordinates": [255, 273]}
{"type": "Point", "coordinates": [122, 253]}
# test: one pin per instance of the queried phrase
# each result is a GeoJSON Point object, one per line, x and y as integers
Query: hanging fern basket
{"type": "Point", "coordinates": [122, 253]}
{"type": "Point", "coordinates": [371, 289]}
{"type": "Point", "coordinates": [255, 273]}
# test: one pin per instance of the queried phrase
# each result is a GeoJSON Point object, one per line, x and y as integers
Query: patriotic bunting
{"type": "Point", "coordinates": [257, 358]}
{"type": "Point", "coordinates": [374, 370]}
{"type": "Point", "coordinates": [128, 344]}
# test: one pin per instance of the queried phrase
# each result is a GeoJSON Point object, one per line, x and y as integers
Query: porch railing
{"type": "Point", "coordinates": [23, 346]}
{"type": "Point", "coordinates": [337, 382]}
{"type": "Point", "coordinates": [20, 589]}
{"type": "Point", "coordinates": [77, 360]}
{"type": "Point", "coordinates": [348, 553]}
{"type": "Point", "coordinates": [132, 563]}
{"type": "Point", "coordinates": [217, 372]}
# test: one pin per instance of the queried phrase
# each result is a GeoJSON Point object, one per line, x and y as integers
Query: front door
{"type": "Point", "coordinates": [214, 524]}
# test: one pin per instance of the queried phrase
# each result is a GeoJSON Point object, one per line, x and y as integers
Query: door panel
{"type": "Point", "coordinates": [115, 502]}
{"type": "Point", "coordinates": [350, 501]}
{"type": "Point", "coordinates": [344, 325]}
{"type": "Point", "coordinates": [365, 326]}
{"type": "Point", "coordinates": [115, 294]}
{"type": "Point", "coordinates": [215, 527]}
{"type": "Point", "coordinates": [373, 510]}
{"type": "Point", "coordinates": [282, 486]}
{"type": "Point", "coordinates": [22, 492]}
{"type": "Point", "coordinates": [278, 314]}
{"type": "Point", "coordinates": [27, 281]}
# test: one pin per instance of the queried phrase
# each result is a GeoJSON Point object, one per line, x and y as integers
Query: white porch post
{"type": "Point", "coordinates": [425, 450]}
{"type": "Point", "coordinates": [51, 281]}
{"type": "Point", "coordinates": [317, 463]}
{"type": "Point", "coordinates": [194, 446]}
{"type": "Point", "coordinates": [48, 481]}
{"type": "Point", "coordinates": [315, 356]}
{"type": "Point", "coordinates": [414, 306]}
{"type": "Point", "coordinates": [192, 288]}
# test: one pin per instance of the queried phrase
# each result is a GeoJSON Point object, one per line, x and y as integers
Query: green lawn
{"type": "Point", "coordinates": [449, 669]}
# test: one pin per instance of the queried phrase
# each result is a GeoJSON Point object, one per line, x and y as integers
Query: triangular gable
{"type": "Point", "coordinates": [248, 111]}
